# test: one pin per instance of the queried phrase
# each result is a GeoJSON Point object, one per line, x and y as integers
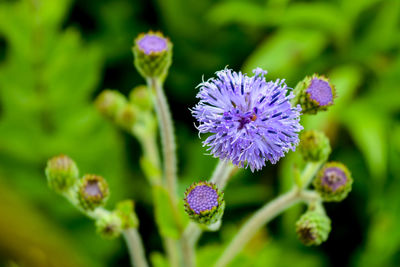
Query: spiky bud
{"type": "Point", "coordinates": [92, 192]}
{"type": "Point", "coordinates": [109, 225]}
{"type": "Point", "coordinates": [62, 173]}
{"type": "Point", "coordinates": [204, 203]}
{"type": "Point", "coordinates": [153, 54]}
{"type": "Point", "coordinates": [313, 228]}
{"type": "Point", "coordinates": [314, 94]}
{"type": "Point", "coordinates": [140, 96]}
{"type": "Point", "coordinates": [125, 211]}
{"type": "Point", "coordinates": [110, 103]}
{"type": "Point", "coordinates": [333, 181]}
{"type": "Point", "coordinates": [314, 146]}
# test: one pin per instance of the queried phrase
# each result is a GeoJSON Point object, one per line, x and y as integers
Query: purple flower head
{"type": "Point", "coordinates": [251, 121]}
{"type": "Point", "coordinates": [204, 203]}
{"type": "Point", "coordinates": [333, 178]}
{"type": "Point", "coordinates": [152, 43]}
{"type": "Point", "coordinates": [320, 91]}
{"type": "Point", "coordinates": [202, 198]}
{"type": "Point", "coordinates": [333, 181]}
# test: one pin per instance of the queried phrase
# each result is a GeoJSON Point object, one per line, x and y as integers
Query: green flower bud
{"type": "Point", "coordinates": [125, 211]}
{"type": "Point", "coordinates": [313, 228]}
{"type": "Point", "coordinates": [333, 181]}
{"type": "Point", "coordinates": [140, 96]}
{"type": "Point", "coordinates": [92, 192]}
{"type": "Point", "coordinates": [62, 173]}
{"type": "Point", "coordinates": [314, 94]}
{"type": "Point", "coordinates": [204, 203]}
{"type": "Point", "coordinates": [110, 103]}
{"type": "Point", "coordinates": [153, 54]}
{"type": "Point", "coordinates": [109, 226]}
{"type": "Point", "coordinates": [314, 146]}
{"type": "Point", "coordinates": [126, 117]}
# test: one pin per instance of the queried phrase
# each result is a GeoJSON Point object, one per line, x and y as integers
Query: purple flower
{"type": "Point", "coordinates": [320, 91]}
{"type": "Point", "coordinates": [202, 198]}
{"type": "Point", "coordinates": [152, 43]}
{"type": "Point", "coordinates": [251, 121]}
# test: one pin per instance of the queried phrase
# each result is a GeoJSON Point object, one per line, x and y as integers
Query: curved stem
{"type": "Point", "coordinates": [259, 219]}
{"type": "Point", "coordinates": [309, 172]}
{"type": "Point", "coordinates": [222, 173]}
{"type": "Point", "coordinates": [135, 247]}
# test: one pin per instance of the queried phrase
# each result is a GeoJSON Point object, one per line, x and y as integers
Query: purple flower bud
{"type": "Point", "coordinates": [92, 192]}
{"type": "Point", "coordinates": [333, 181]}
{"type": "Point", "coordinates": [153, 55]}
{"type": "Point", "coordinates": [204, 203]}
{"type": "Point", "coordinates": [152, 43]}
{"type": "Point", "coordinates": [320, 91]}
{"type": "Point", "coordinates": [314, 94]}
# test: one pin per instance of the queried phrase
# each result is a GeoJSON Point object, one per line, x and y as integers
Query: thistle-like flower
{"type": "Point", "coordinates": [251, 121]}
{"type": "Point", "coordinates": [333, 181]}
{"type": "Point", "coordinates": [204, 203]}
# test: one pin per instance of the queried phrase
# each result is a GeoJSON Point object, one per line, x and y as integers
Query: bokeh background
{"type": "Point", "coordinates": [56, 56]}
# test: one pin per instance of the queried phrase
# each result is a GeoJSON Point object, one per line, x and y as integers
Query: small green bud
{"type": "Point", "coordinates": [314, 146]}
{"type": "Point", "coordinates": [153, 54]}
{"type": "Point", "coordinates": [62, 173]}
{"type": "Point", "coordinates": [333, 182]}
{"type": "Point", "coordinates": [125, 211]}
{"type": "Point", "coordinates": [140, 96]}
{"type": "Point", "coordinates": [110, 103]}
{"type": "Point", "coordinates": [204, 203]}
{"type": "Point", "coordinates": [92, 192]}
{"type": "Point", "coordinates": [313, 228]}
{"type": "Point", "coordinates": [314, 94]}
{"type": "Point", "coordinates": [127, 117]}
{"type": "Point", "coordinates": [109, 226]}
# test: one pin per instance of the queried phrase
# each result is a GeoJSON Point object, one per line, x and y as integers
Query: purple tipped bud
{"type": "Point", "coordinates": [313, 228]}
{"type": "Point", "coordinates": [93, 192]}
{"type": "Point", "coordinates": [333, 181]}
{"type": "Point", "coordinates": [62, 173]}
{"type": "Point", "coordinates": [204, 203]}
{"type": "Point", "coordinates": [152, 43]}
{"type": "Point", "coordinates": [153, 54]}
{"type": "Point", "coordinates": [314, 94]}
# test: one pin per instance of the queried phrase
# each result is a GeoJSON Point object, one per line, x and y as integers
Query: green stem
{"type": "Point", "coordinates": [260, 218]}
{"type": "Point", "coordinates": [167, 136]}
{"type": "Point", "coordinates": [135, 247]}
{"type": "Point", "coordinates": [309, 172]}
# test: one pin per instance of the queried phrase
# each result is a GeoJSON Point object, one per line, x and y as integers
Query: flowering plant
{"type": "Point", "coordinates": [249, 122]}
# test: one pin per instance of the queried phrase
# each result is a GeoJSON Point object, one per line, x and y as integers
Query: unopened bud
{"type": "Point", "coordinates": [153, 54]}
{"type": "Point", "coordinates": [204, 203]}
{"type": "Point", "coordinates": [314, 146]}
{"type": "Point", "coordinates": [126, 117]}
{"type": "Point", "coordinates": [110, 103]}
{"type": "Point", "coordinates": [140, 96]}
{"type": "Point", "coordinates": [93, 192]}
{"type": "Point", "coordinates": [62, 173]}
{"type": "Point", "coordinates": [125, 211]}
{"type": "Point", "coordinates": [109, 226]}
{"type": "Point", "coordinates": [313, 228]}
{"type": "Point", "coordinates": [333, 181]}
{"type": "Point", "coordinates": [314, 94]}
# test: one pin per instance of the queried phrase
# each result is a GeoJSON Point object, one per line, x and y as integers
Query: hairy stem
{"type": "Point", "coordinates": [268, 212]}
{"type": "Point", "coordinates": [135, 247]}
{"type": "Point", "coordinates": [167, 136]}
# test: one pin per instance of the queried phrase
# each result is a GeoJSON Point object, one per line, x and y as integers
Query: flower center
{"type": "Point", "coordinates": [202, 198]}
{"type": "Point", "coordinates": [334, 178]}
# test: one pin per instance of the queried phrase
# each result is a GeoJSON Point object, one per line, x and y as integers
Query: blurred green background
{"type": "Point", "coordinates": [56, 56]}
